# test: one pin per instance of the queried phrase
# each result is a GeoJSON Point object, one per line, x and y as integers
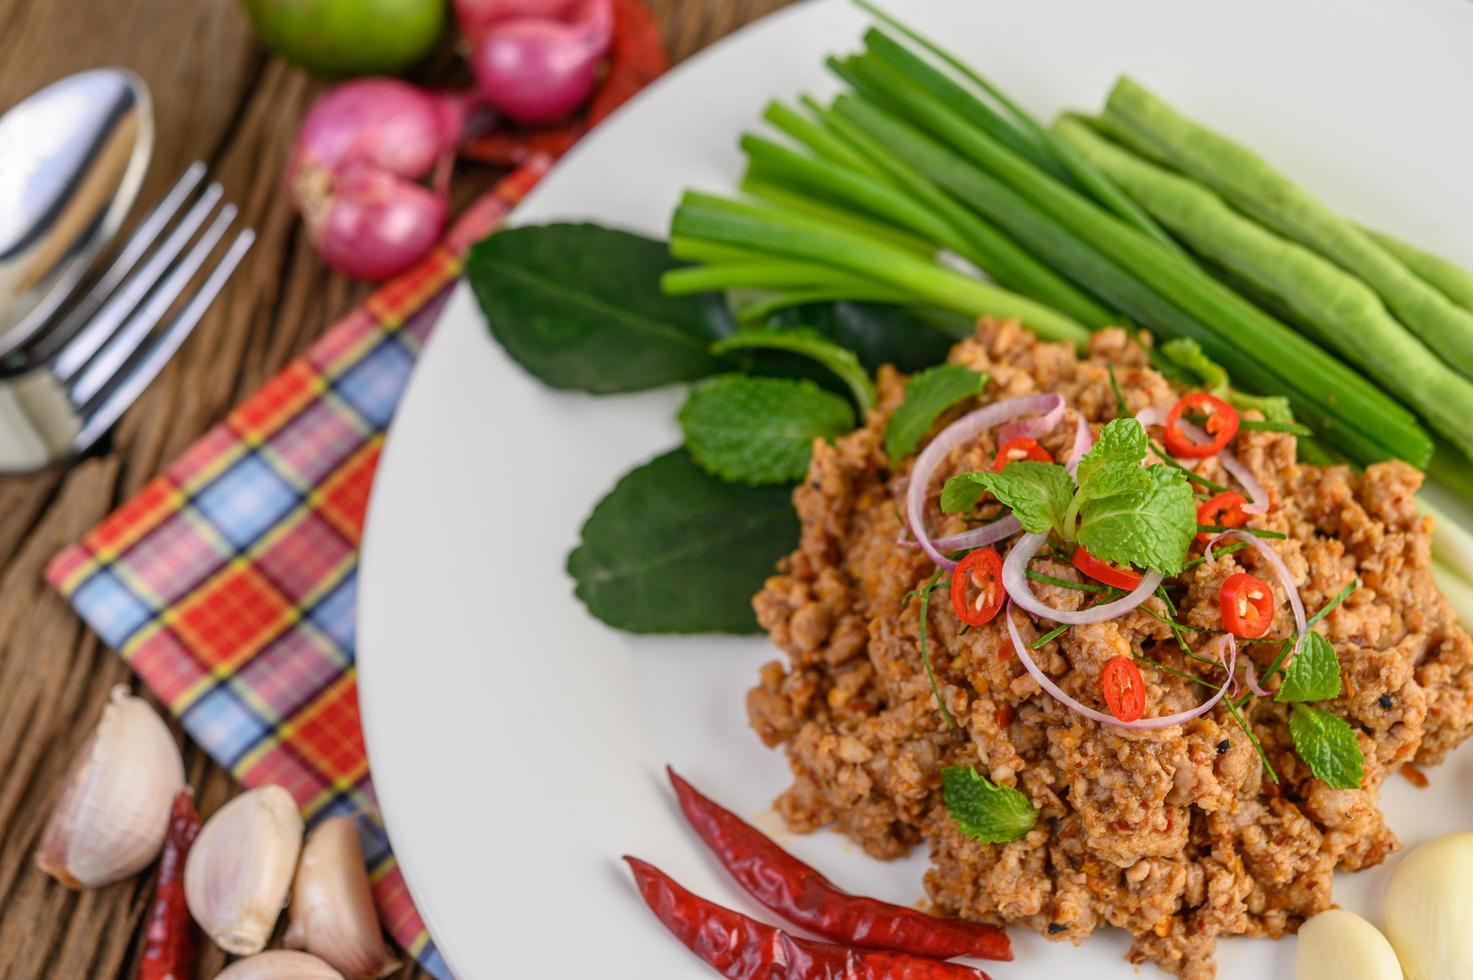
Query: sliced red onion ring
{"type": "Point", "coordinates": [1057, 693]}
{"type": "Point", "coordinates": [1151, 415]}
{"type": "Point", "coordinates": [1280, 569]}
{"type": "Point", "coordinates": [1015, 580]}
{"type": "Point", "coordinates": [967, 427]}
{"type": "Point", "coordinates": [1084, 441]}
{"type": "Point", "coordinates": [1035, 427]}
{"type": "Point", "coordinates": [1003, 527]}
{"type": "Point", "coordinates": [1251, 676]}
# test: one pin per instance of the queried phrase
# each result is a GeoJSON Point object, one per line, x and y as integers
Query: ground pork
{"type": "Point", "coordinates": [1176, 835]}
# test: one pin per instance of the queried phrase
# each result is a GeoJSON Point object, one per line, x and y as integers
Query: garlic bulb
{"type": "Point", "coordinates": [1340, 945]}
{"type": "Point", "coordinates": [279, 964]}
{"type": "Point", "coordinates": [332, 913]}
{"type": "Point", "coordinates": [112, 815]}
{"type": "Point", "coordinates": [1429, 909]}
{"type": "Point", "coordinates": [237, 874]}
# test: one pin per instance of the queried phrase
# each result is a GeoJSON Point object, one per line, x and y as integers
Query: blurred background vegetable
{"type": "Point", "coordinates": [539, 69]}
{"type": "Point", "coordinates": [349, 37]}
{"type": "Point", "coordinates": [357, 171]}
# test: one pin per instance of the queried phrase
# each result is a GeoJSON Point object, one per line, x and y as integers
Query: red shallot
{"type": "Point", "coordinates": [1015, 580]}
{"type": "Point", "coordinates": [356, 170]}
{"type": "Point", "coordinates": [1104, 717]}
{"type": "Point", "coordinates": [535, 69]}
{"type": "Point", "coordinates": [476, 17]}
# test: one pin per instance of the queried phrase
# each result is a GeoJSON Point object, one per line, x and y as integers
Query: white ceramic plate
{"type": "Point", "coordinates": [517, 744]}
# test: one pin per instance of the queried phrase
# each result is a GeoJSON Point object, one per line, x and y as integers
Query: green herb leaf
{"type": "Point", "coordinates": [672, 549]}
{"type": "Point", "coordinates": [878, 333]}
{"type": "Point", "coordinates": [580, 307]}
{"type": "Point", "coordinates": [1313, 674]}
{"type": "Point", "coordinates": [1037, 493]}
{"type": "Point", "coordinates": [1328, 746]}
{"type": "Point", "coordinates": [760, 430]}
{"type": "Point", "coordinates": [983, 810]}
{"type": "Point", "coordinates": [1150, 527]}
{"type": "Point", "coordinates": [1188, 354]}
{"type": "Point", "coordinates": [927, 395]}
{"type": "Point", "coordinates": [812, 344]}
{"type": "Point", "coordinates": [1121, 441]}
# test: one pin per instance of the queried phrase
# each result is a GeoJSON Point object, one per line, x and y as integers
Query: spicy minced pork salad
{"type": "Point", "coordinates": [1063, 646]}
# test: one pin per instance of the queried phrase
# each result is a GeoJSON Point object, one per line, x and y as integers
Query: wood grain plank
{"type": "Point", "coordinates": [220, 98]}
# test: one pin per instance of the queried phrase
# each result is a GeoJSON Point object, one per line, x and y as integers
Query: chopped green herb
{"type": "Point", "coordinates": [927, 395]}
{"type": "Point", "coordinates": [1064, 583]}
{"type": "Point", "coordinates": [760, 430]}
{"type": "Point", "coordinates": [1329, 607]}
{"type": "Point", "coordinates": [1052, 634]}
{"type": "Point", "coordinates": [984, 810]}
{"type": "Point", "coordinates": [1313, 674]}
{"type": "Point", "coordinates": [931, 586]}
{"type": "Point", "coordinates": [1226, 549]}
{"type": "Point", "coordinates": [1257, 532]}
{"type": "Point", "coordinates": [811, 344]}
{"type": "Point", "coordinates": [1327, 744]}
{"type": "Point", "coordinates": [1122, 408]}
{"type": "Point", "coordinates": [1237, 714]}
{"type": "Point", "coordinates": [1191, 475]}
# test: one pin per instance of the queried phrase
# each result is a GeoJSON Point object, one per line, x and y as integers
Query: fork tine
{"type": "Point", "coordinates": [132, 383]}
{"type": "Point", "coordinates": [115, 310]}
{"type": "Point", "coordinates": [111, 359]}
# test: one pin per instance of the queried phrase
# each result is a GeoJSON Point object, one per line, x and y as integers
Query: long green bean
{"type": "Point", "coordinates": [1268, 362]}
{"type": "Point", "coordinates": [1300, 364]}
{"type": "Point", "coordinates": [1250, 183]}
{"type": "Point", "coordinates": [1346, 313]}
{"type": "Point", "coordinates": [1453, 281]}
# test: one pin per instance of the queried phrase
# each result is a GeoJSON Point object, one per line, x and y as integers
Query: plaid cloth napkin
{"type": "Point", "coordinates": [228, 583]}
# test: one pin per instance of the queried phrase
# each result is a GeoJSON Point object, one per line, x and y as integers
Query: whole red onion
{"type": "Point", "coordinates": [357, 168]}
{"type": "Point", "coordinates": [475, 17]}
{"type": "Point", "coordinates": [538, 70]}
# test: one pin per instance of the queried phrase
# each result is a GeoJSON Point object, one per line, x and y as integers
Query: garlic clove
{"type": "Point", "coordinates": [1340, 945]}
{"type": "Point", "coordinates": [279, 964]}
{"type": "Point", "coordinates": [237, 874]}
{"type": "Point", "coordinates": [110, 820]}
{"type": "Point", "coordinates": [1429, 909]}
{"type": "Point", "coordinates": [332, 911]}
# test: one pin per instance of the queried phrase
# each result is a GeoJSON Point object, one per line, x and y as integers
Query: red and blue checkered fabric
{"type": "Point", "coordinates": [228, 583]}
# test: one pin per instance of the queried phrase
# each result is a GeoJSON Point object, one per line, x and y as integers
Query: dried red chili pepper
{"type": "Point", "coordinates": [636, 58]}
{"type": "Point", "coordinates": [741, 948]}
{"type": "Point", "coordinates": [806, 898]}
{"type": "Point", "coordinates": [170, 949]}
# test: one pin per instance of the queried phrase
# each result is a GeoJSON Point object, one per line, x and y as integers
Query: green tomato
{"type": "Point", "coordinates": [349, 37]}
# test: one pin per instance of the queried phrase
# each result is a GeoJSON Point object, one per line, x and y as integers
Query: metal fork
{"type": "Point", "coordinates": [104, 351]}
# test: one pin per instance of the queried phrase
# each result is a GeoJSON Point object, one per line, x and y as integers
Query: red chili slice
{"type": "Point", "coordinates": [1125, 689]}
{"type": "Point", "coordinates": [1223, 510]}
{"type": "Point", "coordinates": [1247, 605]}
{"type": "Point", "coordinates": [980, 571]}
{"type": "Point", "coordinates": [1102, 571]}
{"type": "Point", "coordinates": [1221, 425]}
{"type": "Point", "coordinates": [1016, 449]}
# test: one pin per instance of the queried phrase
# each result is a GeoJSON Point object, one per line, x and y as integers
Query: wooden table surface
{"type": "Point", "coordinates": [218, 97]}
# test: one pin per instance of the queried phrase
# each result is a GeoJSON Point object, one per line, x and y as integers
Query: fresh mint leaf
{"type": "Point", "coordinates": [878, 333]}
{"type": "Point", "coordinates": [1313, 674]}
{"type": "Point", "coordinates": [672, 549]}
{"type": "Point", "coordinates": [1037, 493]}
{"type": "Point", "coordinates": [1151, 527]}
{"type": "Point", "coordinates": [927, 395]}
{"type": "Point", "coordinates": [760, 430]}
{"type": "Point", "coordinates": [580, 306]}
{"type": "Point", "coordinates": [983, 810]}
{"type": "Point", "coordinates": [811, 344]}
{"type": "Point", "coordinates": [1121, 441]}
{"type": "Point", "coordinates": [1327, 744]}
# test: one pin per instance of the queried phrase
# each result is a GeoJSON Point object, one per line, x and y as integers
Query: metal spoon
{"type": "Point", "coordinates": [72, 157]}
